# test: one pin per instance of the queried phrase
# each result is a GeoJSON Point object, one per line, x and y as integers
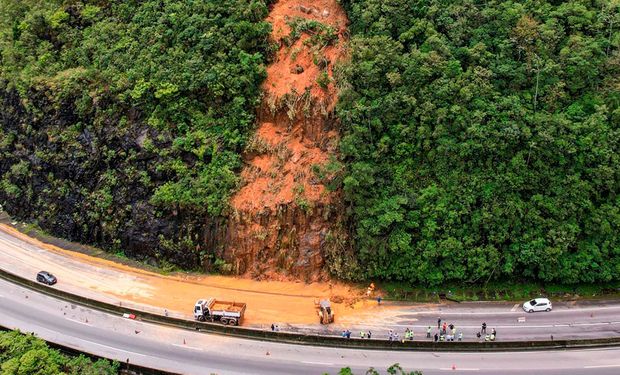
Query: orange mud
{"type": "Point", "coordinates": [280, 80]}
{"type": "Point", "coordinates": [283, 174]}
{"type": "Point", "coordinates": [267, 301]}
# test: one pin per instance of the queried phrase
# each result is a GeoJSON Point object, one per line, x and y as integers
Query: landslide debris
{"type": "Point", "coordinates": [287, 213]}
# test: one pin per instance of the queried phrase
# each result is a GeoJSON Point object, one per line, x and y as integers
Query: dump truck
{"type": "Point", "coordinates": [210, 309]}
{"type": "Point", "coordinates": [324, 310]}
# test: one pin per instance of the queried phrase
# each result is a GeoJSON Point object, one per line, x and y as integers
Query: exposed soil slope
{"type": "Point", "coordinates": [283, 213]}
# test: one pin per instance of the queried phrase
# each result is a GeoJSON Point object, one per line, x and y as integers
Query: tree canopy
{"type": "Point", "coordinates": [124, 120]}
{"type": "Point", "coordinates": [25, 354]}
{"type": "Point", "coordinates": [482, 139]}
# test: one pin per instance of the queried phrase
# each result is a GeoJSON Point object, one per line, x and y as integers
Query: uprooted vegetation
{"type": "Point", "coordinates": [321, 35]}
{"type": "Point", "coordinates": [284, 211]}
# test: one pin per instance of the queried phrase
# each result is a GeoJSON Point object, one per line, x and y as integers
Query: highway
{"type": "Point", "coordinates": [190, 352]}
{"type": "Point", "coordinates": [95, 279]}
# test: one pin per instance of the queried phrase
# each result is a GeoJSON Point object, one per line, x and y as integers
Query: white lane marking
{"type": "Point", "coordinates": [458, 369]}
{"type": "Point", "coordinates": [79, 322]}
{"type": "Point", "coordinates": [187, 347]}
{"type": "Point", "coordinates": [111, 347]}
{"type": "Point", "coordinates": [514, 308]}
{"type": "Point", "coordinates": [318, 363]}
{"type": "Point", "coordinates": [601, 366]}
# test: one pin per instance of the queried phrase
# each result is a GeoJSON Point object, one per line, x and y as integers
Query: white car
{"type": "Point", "coordinates": [537, 304]}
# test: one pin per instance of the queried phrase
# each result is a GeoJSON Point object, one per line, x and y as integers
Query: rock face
{"type": "Point", "coordinates": [283, 218]}
{"type": "Point", "coordinates": [66, 184]}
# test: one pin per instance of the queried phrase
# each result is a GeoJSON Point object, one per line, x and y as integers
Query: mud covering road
{"type": "Point", "coordinates": [190, 352]}
{"type": "Point", "coordinates": [268, 301]}
{"type": "Point", "coordinates": [291, 305]}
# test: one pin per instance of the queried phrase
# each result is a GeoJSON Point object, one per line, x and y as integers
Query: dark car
{"type": "Point", "coordinates": [46, 278]}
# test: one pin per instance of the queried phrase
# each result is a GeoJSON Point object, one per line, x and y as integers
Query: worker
{"type": "Point", "coordinates": [362, 334]}
{"type": "Point", "coordinates": [428, 332]}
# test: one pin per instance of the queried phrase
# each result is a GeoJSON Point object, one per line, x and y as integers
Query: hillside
{"type": "Point", "coordinates": [482, 139]}
{"type": "Point", "coordinates": [421, 141]}
{"type": "Point", "coordinates": [123, 121]}
{"type": "Point", "coordinates": [286, 214]}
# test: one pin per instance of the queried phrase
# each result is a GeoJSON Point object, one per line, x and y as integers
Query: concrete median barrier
{"type": "Point", "coordinates": [307, 339]}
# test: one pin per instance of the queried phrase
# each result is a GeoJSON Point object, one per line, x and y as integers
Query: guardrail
{"type": "Point", "coordinates": [307, 339]}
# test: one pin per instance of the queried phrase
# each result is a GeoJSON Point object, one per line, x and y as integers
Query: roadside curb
{"type": "Point", "coordinates": [306, 339]}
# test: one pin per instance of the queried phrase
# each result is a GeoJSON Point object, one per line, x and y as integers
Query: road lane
{"type": "Point", "coordinates": [190, 352]}
{"type": "Point", "coordinates": [112, 285]}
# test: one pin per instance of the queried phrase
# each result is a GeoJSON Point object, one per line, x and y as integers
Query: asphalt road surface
{"type": "Point", "coordinates": [567, 320]}
{"type": "Point", "coordinates": [191, 352]}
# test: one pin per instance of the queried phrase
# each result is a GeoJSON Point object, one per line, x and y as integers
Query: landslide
{"type": "Point", "coordinates": [287, 218]}
{"type": "Point", "coordinates": [122, 122]}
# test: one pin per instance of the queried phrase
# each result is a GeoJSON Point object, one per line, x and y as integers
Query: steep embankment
{"type": "Point", "coordinates": [122, 123]}
{"type": "Point", "coordinates": [287, 212]}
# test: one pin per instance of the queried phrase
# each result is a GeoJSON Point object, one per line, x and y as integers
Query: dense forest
{"type": "Point", "coordinates": [122, 122]}
{"type": "Point", "coordinates": [26, 354]}
{"type": "Point", "coordinates": [482, 138]}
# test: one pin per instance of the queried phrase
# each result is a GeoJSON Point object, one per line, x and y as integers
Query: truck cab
{"type": "Point", "coordinates": [201, 309]}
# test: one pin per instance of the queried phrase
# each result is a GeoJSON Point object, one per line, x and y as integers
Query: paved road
{"type": "Point", "coordinates": [78, 276]}
{"type": "Point", "coordinates": [567, 320]}
{"type": "Point", "coordinates": [190, 352]}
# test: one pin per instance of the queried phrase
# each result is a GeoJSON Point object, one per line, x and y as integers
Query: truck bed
{"type": "Point", "coordinates": [228, 306]}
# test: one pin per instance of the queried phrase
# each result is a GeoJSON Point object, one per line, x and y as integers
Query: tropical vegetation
{"type": "Point", "coordinates": [482, 139]}
{"type": "Point", "coordinates": [25, 354]}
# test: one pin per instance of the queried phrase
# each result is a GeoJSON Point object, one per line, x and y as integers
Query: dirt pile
{"type": "Point", "coordinates": [283, 213]}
